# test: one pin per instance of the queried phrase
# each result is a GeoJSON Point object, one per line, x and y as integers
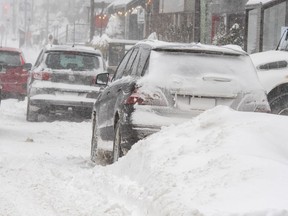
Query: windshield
{"type": "Point", "coordinates": [72, 60]}
{"type": "Point", "coordinates": [10, 58]}
{"type": "Point", "coordinates": [193, 71]}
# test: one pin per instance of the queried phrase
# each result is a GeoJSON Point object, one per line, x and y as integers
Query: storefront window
{"type": "Point", "coordinates": [252, 31]}
{"type": "Point", "coordinates": [274, 19]}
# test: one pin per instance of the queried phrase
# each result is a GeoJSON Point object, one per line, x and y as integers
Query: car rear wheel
{"type": "Point", "coordinates": [31, 116]}
{"type": "Point", "coordinates": [279, 104]}
{"type": "Point", "coordinates": [117, 151]}
{"type": "Point", "coordinates": [95, 139]}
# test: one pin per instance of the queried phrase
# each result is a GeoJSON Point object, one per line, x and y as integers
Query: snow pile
{"type": "Point", "coordinates": [222, 163]}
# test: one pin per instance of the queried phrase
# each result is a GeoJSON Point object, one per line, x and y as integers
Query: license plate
{"type": "Point", "coordinates": [202, 103]}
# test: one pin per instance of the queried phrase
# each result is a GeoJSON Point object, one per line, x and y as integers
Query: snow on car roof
{"type": "Point", "coordinates": [254, 2]}
{"type": "Point", "coordinates": [72, 48]}
{"type": "Point", "coordinates": [10, 49]}
{"type": "Point", "coordinates": [161, 45]}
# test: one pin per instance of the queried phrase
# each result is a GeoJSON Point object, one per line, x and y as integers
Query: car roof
{"type": "Point", "coordinates": [10, 49]}
{"type": "Point", "coordinates": [74, 48]}
{"type": "Point", "coordinates": [192, 47]}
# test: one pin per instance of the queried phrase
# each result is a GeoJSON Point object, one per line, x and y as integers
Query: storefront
{"type": "Point", "coordinates": [263, 23]}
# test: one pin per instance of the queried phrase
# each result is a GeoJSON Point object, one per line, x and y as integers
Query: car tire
{"type": "Point", "coordinates": [117, 151]}
{"type": "Point", "coordinates": [279, 104]}
{"type": "Point", "coordinates": [95, 139]}
{"type": "Point", "coordinates": [31, 116]}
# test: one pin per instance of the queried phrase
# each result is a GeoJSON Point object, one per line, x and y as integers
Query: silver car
{"type": "Point", "coordinates": [62, 81]}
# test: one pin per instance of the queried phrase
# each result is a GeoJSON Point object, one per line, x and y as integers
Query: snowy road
{"type": "Point", "coordinates": [45, 169]}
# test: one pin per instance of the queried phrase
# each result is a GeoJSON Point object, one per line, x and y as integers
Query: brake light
{"type": "Point", "coordinates": [156, 98]}
{"type": "Point", "coordinates": [134, 99]}
{"type": "Point", "coordinates": [41, 75]}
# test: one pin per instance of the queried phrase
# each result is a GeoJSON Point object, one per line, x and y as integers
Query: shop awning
{"type": "Point", "coordinates": [122, 4]}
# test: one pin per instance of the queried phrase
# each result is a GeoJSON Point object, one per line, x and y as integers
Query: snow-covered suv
{"type": "Point", "coordinates": [62, 80]}
{"type": "Point", "coordinates": [272, 69]}
{"type": "Point", "coordinates": [158, 84]}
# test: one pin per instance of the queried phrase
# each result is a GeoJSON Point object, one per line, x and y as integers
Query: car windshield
{"type": "Point", "coordinates": [72, 60]}
{"type": "Point", "coordinates": [193, 70]}
{"type": "Point", "coordinates": [10, 58]}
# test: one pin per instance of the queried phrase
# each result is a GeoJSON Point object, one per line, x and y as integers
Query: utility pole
{"type": "Point", "coordinates": [14, 18]}
{"type": "Point", "coordinates": [47, 20]}
{"type": "Point", "coordinates": [25, 22]}
{"type": "Point", "coordinates": [92, 19]}
{"type": "Point", "coordinates": [197, 21]}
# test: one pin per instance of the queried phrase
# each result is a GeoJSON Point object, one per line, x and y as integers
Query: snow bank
{"type": "Point", "coordinates": [221, 163]}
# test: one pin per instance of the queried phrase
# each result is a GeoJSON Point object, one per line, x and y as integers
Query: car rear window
{"type": "Point", "coordinates": [195, 70]}
{"type": "Point", "coordinates": [10, 58]}
{"type": "Point", "coordinates": [72, 60]}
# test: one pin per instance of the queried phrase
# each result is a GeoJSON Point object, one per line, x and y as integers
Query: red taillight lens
{"type": "Point", "coordinates": [41, 75]}
{"type": "Point", "coordinates": [156, 98]}
{"type": "Point", "coordinates": [134, 99]}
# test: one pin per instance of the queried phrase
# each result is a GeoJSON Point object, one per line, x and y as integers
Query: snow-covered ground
{"type": "Point", "coordinates": [221, 163]}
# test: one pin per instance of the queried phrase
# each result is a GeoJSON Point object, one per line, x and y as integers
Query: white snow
{"type": "Point", "coordinates": [253, 2]}
{"type": "Point", "coordinates": [222, 163]}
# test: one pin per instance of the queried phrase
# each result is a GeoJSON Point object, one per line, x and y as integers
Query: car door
{"type": "Point", "coordinates": [106, 101]}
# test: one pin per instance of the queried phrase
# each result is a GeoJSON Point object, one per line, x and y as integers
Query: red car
{"type": "Point", "coordinates": [14, 72]}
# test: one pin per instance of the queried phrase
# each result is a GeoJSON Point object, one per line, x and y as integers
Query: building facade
{"type": "Point", "coordinates": [264, 23]}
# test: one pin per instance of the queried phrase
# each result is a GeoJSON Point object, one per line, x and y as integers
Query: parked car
{"type": "Point", "coordinates": [272, 69]}
{"type": "Point", "coordinates": [159, 84]}
{"type": "Point", "coordinates": [13, 76]}
{"type": "Point", "coordinates": [62, 81]}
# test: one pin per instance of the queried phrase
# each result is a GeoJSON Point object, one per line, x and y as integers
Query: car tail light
{"type": "Point", "coordinates": [41, 75]}
{"type": "Point", "coordinates": [142, 98]}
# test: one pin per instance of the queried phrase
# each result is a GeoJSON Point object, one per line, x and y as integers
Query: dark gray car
{"type": "Point", "coordinates": [158, 84]}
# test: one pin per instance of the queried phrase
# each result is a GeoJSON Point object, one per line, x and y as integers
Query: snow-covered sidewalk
{"type": "Point", "coordinates": [221, 163]}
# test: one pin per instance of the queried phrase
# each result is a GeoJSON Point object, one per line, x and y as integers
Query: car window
{"type": "Point", "coordinates": [128, 68]}
{"type": "Point", "coordinates": [122, 65]}
{"type": "Point", "coordinates": [39, 59]}
{"type": "Point", "coordinates": [10, 58]}
{"type": "Point", "coordinates": [72, 60]}
{"type": "Point", "coordinates": [140, 62]}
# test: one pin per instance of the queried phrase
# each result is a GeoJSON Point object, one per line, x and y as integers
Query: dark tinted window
{"type": "Point", "coordinates": [10, 58]}
{"type": "Point", "coordinates": [122, 65]}
{"type": "Point", "coordinates": [128, 68]}
{"type": "Point", "coordinates": [72, 60]}
{"type": "Point", "coordinates": [141, 61]}
{"type": "Point", "coordinates": [273, 65]}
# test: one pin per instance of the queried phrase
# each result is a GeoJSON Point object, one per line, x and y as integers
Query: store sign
{"type": "Point", "coordinates": [140, 15]}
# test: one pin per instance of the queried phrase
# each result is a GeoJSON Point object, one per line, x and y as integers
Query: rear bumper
{"type": "Point", "coordinates": [47, 100]}
{"type": "Point", "coordinates": [142, 123]}
{"type": "Point", "coordinates": [14, 88]}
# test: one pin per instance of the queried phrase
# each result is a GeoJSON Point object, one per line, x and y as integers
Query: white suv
{"type": "Point", "coordinates": [272, 69]}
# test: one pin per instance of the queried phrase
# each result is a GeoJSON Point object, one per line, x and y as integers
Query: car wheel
{"type": "Point", "coordinates": [117, 151]}
{"type": "Point", "coordinates": [95, 139]}
{"type": "Point", "coordinates": [31, 116]}
{"type": "Point", "coordinates": [279, 104]}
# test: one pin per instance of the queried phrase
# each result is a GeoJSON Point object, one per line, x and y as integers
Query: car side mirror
{"type": "Point", "coordinates": [27, 66]}
{"type": "Point", "coordinates": [102, 79]}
